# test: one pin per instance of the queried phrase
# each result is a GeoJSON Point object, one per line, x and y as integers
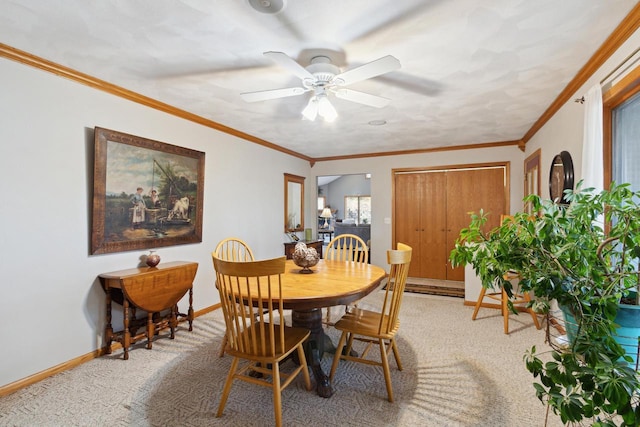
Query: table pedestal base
{"type": "Point", "coordinates": [316, 346]}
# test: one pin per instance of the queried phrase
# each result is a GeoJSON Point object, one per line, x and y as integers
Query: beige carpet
{"type": "Point", "coordinates": [457, 372]}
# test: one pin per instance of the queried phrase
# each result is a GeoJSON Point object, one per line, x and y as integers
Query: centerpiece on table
{"type": "Point", "coordinates": [305, 257]}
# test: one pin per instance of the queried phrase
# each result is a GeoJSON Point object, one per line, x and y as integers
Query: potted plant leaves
{"type": "Point", "coordinates": [583, 257]}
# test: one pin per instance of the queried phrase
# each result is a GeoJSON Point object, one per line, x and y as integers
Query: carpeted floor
{"type": "Point", "coordinates": [457, 372]}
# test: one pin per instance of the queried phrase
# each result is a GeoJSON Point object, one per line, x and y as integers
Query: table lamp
{"type": "Point", "coordinates": [326, 214]}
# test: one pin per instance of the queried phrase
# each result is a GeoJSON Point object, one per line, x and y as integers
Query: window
{"type": "Point", "coordinates": [625, 123]}
{"type": "Point", "coordinates": [622, 131]}
{"type": "Point", "coordinates": [358, 208]}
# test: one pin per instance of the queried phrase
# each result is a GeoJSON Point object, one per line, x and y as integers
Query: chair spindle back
{"type": "Point", "coordinates": [348, 247]}
{"type": "Point", "coordinates": [399, 261]}
{"type": "Point", "coordinates": [244, 286]}
{"type": "Point", "coordinates": [233, 249]}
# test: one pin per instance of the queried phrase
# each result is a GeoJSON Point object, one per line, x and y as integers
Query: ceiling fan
{"type": "Point", "coordinates": [322, 77]}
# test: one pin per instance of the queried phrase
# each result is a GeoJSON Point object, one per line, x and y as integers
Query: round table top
{"type": "Point", "coordinates": [331, 283]}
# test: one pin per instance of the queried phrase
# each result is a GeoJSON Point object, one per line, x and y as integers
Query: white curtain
{"type": "Point", "coordinates": [592, 161]}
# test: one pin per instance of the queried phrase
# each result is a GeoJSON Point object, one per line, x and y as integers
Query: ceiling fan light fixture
{"type": "Point", "coordinates": [322, 77]}
{"type": "Point", "coordinates": [311, 110]}
{"type": "Point", "coordinates": [267, 6]}
{"type": "Point", "coordinates": [326, 110]}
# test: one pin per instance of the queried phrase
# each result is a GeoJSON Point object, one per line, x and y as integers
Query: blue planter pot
{"type": "Point", "coordinates": [627, 334]}
{"type": "Point", "coordinates": [628, 318]}
{"type": "Point", "coordinates": [570, 324]}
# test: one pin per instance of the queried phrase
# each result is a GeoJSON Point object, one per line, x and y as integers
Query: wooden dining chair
{"type": "Point", "coordinates": [232, 249]}
{"type": "Point", "coordinates": [262, 342]}
{"type": "Point", "coordinates": [373, 327]}
{"type": "Point", "coordinates": [346, 247]}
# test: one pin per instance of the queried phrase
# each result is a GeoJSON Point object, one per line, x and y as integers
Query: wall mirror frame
{"type": "Point", "coordinates": [561, 177]}
{"type": "Point", "coordinates": [293, 203]}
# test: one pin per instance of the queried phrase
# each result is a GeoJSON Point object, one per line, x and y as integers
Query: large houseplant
{"type": "Point", "coordinates": [564, 254]}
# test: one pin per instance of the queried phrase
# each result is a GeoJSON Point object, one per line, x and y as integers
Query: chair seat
{"type": "Point", "coordinates": [366, 322]}
{"type": "Point", "coordinates": [293, 336]}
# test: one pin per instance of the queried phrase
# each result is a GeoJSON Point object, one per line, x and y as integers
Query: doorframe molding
{"type": "Point", "coordinates": [444, 168]}
{"type": "Point", "coordinates": [532, 163]}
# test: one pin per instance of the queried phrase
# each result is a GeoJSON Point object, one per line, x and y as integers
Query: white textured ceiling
{"type": "Point", "coordinates": [472, 71]}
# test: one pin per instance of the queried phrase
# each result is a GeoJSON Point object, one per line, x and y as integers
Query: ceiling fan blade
{"type": "Point", "coordinates": [264, 95]}
{"type": "Point", "coordinates": [371, 69]}
{"type": "Point", "coordinates": [362, 98]}
{"type": "Point", "coordinates": [382, 20]}
{"type": "Point", "coordinates": [416, 84]}
{"type": "Point", "coordinates": [289, 64]}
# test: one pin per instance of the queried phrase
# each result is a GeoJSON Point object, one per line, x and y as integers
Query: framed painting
{"type": "Point", "coordinates": [146, 194]}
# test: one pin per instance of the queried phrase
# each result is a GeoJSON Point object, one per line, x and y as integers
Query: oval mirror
{"type": "Point", "coordinates": [561, 177]}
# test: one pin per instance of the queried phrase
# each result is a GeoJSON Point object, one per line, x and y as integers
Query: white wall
{"type": "Point", "coordinates": [381, 182]}
{"type": "Point", "coordinates": [563, 132]}
{"type": "Point", "coordinates": [565, 129]}
{"type": "Point", "coordinates": [52, 303]}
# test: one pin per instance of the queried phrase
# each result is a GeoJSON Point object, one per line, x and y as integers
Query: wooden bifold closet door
{"type": "Point", "coordinates": [420, 221]}
{"type": "Point", "coordinates": [432, 206]}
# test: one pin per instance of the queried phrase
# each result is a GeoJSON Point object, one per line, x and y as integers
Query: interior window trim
{"type": "Point", "coordinates": [611, 99]}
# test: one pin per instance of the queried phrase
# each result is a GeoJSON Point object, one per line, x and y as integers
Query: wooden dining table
{"type": "Point", "coordinates": [331, 283]}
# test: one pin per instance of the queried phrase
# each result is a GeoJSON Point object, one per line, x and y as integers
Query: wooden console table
{"type": "Point", "coordinates": [153, 290]}
{"type": "Point", "coordinates": [322, 232]}
{"type": "Point", "coordinates": [289, 247]}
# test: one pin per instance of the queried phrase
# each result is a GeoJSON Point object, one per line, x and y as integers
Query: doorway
{"type": "Point", "coordinates": [344, 200]}
{"type": "Point", "coordinates": [532, 177]}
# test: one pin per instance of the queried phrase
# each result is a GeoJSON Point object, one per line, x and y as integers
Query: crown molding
{"type": "Point", "coordinates": [623, 31]}
{"type": "Point", "coordinates": [85, 79]}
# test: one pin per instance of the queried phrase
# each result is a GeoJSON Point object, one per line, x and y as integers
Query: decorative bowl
{"type": "Point", "coordinates": [305, 257]}
{"type": "Point", "coordinates": [153, 259]}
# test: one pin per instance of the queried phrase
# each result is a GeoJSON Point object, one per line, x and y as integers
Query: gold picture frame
{"type": "Point", "coordinates": [146, 194]}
